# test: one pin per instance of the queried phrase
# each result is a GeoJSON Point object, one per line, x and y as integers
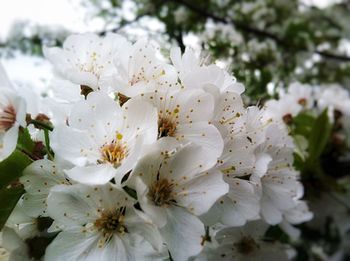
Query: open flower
{"type": "Point", "coordinates": [302, 94]}
{"type": "Point", "coordinates": [84, 58]}
{"type": "Point", "coordinates": [243, 131]}
{"type": "Point", "coordinates": [335, 99]}
{"type": "Point", "coordinates": [99, 223]}
{"type": "Point", "coordinates": [279, 184]}
{"type": "Point", "coordinates": [195, 75]}
{"type": "Point", "coordinates": [247, 244]}
{"type": "Point", "coordinates": [173, 189]}
{"type": "Point", "coordinates": [185, 116]}
{"type": "Point", "coordinates": [104, 140]}
{"type": "Point", "coordinates": [283, 110]}
{"type": "Point", "coordinates": [138, 70]}
{"type": "Point", "coordinates": [12, 116]}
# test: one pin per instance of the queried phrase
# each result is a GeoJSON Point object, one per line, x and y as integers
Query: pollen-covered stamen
{"type": "Point", "coordinates": [112, 221]}
{"type": "Point", "coordinates": [92, 66]}
{"type": "Point", "coordinates": [246, 245]}
{"type": "Point", "coordinates": [7, 118]}
{"type": "Point", "coordinates": [161, 193]}
{"type": "Point", "coordinates": [166, 127]}
{"type": "Point", "coordinates": [114, 152]}
{"type": "Point", "coordinates": [167, 123]}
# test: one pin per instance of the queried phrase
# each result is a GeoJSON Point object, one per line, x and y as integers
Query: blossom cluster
{"type": "Point", "coordinates": [299, 98]}
{"type": "Point", "coordinates": [149, 158]}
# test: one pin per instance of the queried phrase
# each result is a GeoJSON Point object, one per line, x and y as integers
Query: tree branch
{"type": "Point", "coordinates": [122, 25]}
{"type": "Point", "coordinates": [256, 31]}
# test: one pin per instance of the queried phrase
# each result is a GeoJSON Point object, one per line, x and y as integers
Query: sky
{"type": "Point", "coordinates": [64, 13]}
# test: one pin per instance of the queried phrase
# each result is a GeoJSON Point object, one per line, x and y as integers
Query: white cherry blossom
{"type": "Point", "coordinates": [283, 110]}
{"type": "Point", "coordinates": [84, 58]}
{"type": "Point", "coordinates": [302, 94]}
{"type": "Point", "coordinates": [138, 70]}
{"type": "Point", "coordinates": [279, 184]}
{"type": "Point", "coordinates": [12, 116]}
{"type": "Point", "coordinates": [335, 98]}
{"type": "Point", "coordinates": [173, 189]}
{"type": "Point", "coordinates": [186, 116]}
{"type": "Point", "coordinates": [100, 223]}
{"type": "Point", "coordinates": [247, 243]}
{"type": "Point", "coordinates": [104, 140]}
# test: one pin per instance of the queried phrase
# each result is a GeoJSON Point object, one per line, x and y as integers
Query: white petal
{"type": "Point", "coordinates": [141, 118]}
{"type": "Point", "coordinates": [186, 242]}
{"type": "Point", "coordinates": [99, 114]}
{"type": "Point", "coordinates": [73, 145]}
{"type": "Point", "coordinates": [11, 240]}
{"type": "Point", "coordinates": [205, 135]}
{"type": "Point", "coordinates": [93, 174]}
{"type": "Point", "coordinates": [71, 206]}
{"type": "Point", "coordinates": [187, 163]}
{"type": "Point", "coordinates": [9, 142]}
{"type": "Point", "coordinates": [71, 246]}
{"type": "Point", "coordinates": [41, 175]}
{"type": "Point", "coordinates": [241, 204]}
{"type": "Point", "coordinates": [156, 214]}
{"type": "Point", "coordinates": [199, 194]}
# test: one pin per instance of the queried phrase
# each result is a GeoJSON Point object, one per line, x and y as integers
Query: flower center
{"type": "Point", "coordinates": [166, 127]}
{"type": "Point", "coordinates": [246, 245]}
{"type": "Point", "coordinates": [112, 221]}
{"type": "Point", "coordinates": [114, 152]}
{"type": "Point", "coordinates": [288, 118]}
{"type": "Point", "coordinates": [302, 101]}
{"type": "Point", "coordinates": [160, 193]}
{"type": "Point", "coordinates": [7, 118]}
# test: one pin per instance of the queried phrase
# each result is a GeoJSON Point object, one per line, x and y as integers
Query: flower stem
{"type": "Point", "coordinates": [47, 144]}
{"type": "Point", "coordinates": [41, 124]}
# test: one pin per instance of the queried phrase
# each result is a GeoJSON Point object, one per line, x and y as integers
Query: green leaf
{"type": "Point", "coordinates": [319, 136]}
{"type": "Point", "coordinates": [303, 123]}
{"type": "Point", "coordinates": [25, 142]}
{"type": "Point", "coordinates": [12, 167]}
{"type": "Point", "coordinates": [8, 200]}
{"type": "Point", "coordinates": [274, 233]}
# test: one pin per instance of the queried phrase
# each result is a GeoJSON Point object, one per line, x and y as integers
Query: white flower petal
{"type": "Point", "coordinates": [93, 174]}
{"type": "Point", "coordinates": [198, 195]}
{"type": "Point", "coordinates": [9, 142]}
{"type": "Point", "coordinates": [71, 246]}
{"type": "Point", "coordinates": [204, 134]}
{"type": "Point", "coordinates": [186, 242]}
{"type": "Point", "coordinates": [71, 205]}
{"type": "Point", "coordinates": [140, 119]}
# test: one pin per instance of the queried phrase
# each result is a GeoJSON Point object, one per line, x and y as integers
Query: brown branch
{"type": "Point", "coordinates": [256, 31]}
{"type": "Point", "coordinates": [122, 25]}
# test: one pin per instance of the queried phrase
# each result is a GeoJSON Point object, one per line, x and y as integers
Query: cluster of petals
{"type": "Point", "coordinates": [154, 157]}
{"type": "Point", "coordinates": [299, 98]}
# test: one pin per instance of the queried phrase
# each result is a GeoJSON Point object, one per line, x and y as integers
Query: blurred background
{"type": "Point", "coordinates": [265, 43]}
